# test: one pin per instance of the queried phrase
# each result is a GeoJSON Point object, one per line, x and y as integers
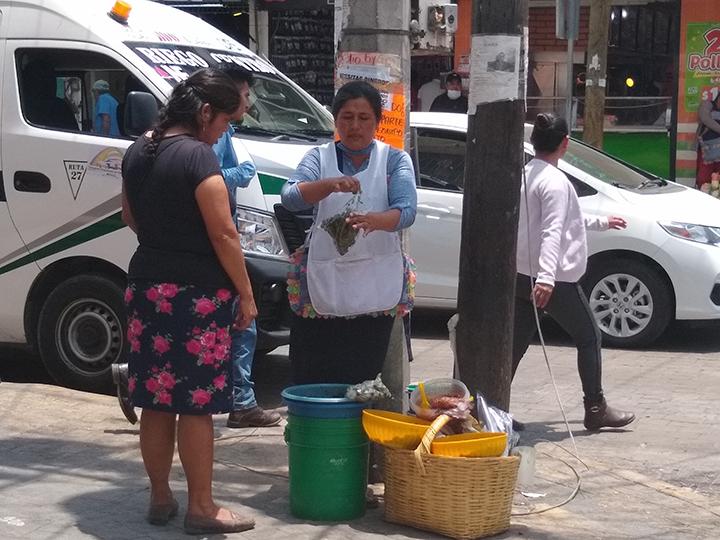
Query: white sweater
{"type": "Point", "coordinates": [552, 244]}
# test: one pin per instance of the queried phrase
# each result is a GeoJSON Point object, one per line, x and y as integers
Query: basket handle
{"type": "Point", "coordinates": [428, 438]}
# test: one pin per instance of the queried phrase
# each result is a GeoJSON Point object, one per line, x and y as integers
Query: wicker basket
{"type": "Point", "coordinates": [462, 498]}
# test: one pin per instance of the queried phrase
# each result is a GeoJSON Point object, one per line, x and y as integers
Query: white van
{"type": "Point", "coordinates": [64, 250]}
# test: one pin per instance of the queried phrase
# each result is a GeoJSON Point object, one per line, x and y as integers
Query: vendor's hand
{"type": "Point", "coordinates": [542, 293]}
{"type": "Point", "coordinates": [616, 222]}
{"type": "Point", "coordinates": [366, 222]}
{"type": "Point", "coordinates": [246, 313]}
{"type": "Point", "coordinates": [345, 184]}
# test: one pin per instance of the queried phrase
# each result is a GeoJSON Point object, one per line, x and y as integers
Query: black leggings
{"type": "Point", "coordinates": [570, 309]}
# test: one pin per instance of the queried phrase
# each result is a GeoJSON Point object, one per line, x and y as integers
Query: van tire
{"type": "Point", "coordinates": [81, 332]}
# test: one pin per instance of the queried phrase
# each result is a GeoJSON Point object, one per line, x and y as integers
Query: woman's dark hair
{"type": "Point", "coordinates": [209, 86]}
{"type": "Point", "coordinates": [355, 90]}
{"type": "Point", "coordinates": [548, 132]}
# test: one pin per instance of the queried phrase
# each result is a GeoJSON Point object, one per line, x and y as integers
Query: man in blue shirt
{"type": "Point", "coordinates": [246, 412]}
{"type": "Point", "coordinates": [105, 121]}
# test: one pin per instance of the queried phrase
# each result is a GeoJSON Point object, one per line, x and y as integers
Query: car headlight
{"type": "Point", "coordinates": [260, 232]}
{"type": "Point", "coordinates": [692, 232]}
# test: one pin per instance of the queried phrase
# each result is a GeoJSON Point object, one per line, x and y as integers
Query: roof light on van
{"type": "Point", "coordinates": [120, 12]}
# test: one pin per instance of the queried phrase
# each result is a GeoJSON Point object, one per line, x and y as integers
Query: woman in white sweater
{"type": "Point", "coordinates": [551, 259]}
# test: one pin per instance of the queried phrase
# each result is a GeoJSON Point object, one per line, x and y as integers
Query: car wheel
{"type": "Point", "coordinates": [81, 331]}
{"type": "Point", "coordinates": [631, 302]}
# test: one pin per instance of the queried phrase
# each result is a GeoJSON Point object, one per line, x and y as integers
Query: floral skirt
{"type": "Point", "coordinates": [179, 336]}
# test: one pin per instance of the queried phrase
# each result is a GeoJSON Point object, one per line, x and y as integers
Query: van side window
{"type": "Point", "coordinates": [441, 157]}
{"type": "Point", "coordinates": [74, 90]}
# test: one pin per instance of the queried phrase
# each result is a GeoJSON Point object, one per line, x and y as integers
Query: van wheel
{"type": "Point", "coordinates": [81, 332]}
{"type": "Point", "coordinates": [632, 304]}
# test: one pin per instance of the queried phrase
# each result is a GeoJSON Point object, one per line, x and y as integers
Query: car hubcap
{"type": "Point", "coordinates": [622, 305]}
{"type": "Point", "coordinates": [88, 336]}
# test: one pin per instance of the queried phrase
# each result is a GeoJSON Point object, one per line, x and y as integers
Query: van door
{"type": "Point", "coordinates": [61, 153]}
{"type": "Point", "coordinates": [62, 171]}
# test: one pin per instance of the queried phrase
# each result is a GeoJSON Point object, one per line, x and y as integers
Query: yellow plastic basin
{"type": "Point", "coordinates": [394, 429]}
{"type": "Point", "coordinates": [483, 444]}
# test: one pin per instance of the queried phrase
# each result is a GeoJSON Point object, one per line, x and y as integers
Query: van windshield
{"type": "Point", "coordinates": [277, 106]}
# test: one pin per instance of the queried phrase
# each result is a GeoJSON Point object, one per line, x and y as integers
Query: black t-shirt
{"type": "Point", "coordinates": [174, 243]}
{"type": "Point", "coordinates": [443, 103]}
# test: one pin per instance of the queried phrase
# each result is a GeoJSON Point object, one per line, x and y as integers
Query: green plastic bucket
{"type": "Point", "coordinates": [328, 462]}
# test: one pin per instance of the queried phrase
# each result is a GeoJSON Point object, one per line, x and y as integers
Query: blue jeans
{"type": "Point", "coordinates": [241, 352]}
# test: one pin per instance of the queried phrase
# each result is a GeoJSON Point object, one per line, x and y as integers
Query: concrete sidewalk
{"type": "Point", "coordinates": [70, 466]}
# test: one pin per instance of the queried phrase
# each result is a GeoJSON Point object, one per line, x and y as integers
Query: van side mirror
{"type": "Point", "coordinates": [141, 111]}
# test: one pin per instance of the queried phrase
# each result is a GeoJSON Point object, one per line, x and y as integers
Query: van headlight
{"type": "Point", "coordinates": [260, 232]}
{"type": "Point", "coordinates": [692, 232]}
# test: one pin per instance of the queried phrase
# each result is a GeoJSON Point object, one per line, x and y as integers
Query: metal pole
{"type": "Point", "coordinates": [570, 81]}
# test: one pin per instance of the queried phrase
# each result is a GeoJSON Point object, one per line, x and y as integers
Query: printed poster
{"type": "Point", "coordinates": [494, 69]}
{"type": "Point", "coordinates": [702, 63]}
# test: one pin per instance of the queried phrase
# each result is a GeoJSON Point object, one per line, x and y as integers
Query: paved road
{"type": "Point", "coordinates": [69, 465]}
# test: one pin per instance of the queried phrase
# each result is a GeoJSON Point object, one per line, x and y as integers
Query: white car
{"type": "Point", "coordinates": [664, 266]}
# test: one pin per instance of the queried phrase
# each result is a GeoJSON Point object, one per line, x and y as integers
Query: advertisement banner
{"type": "Point", "coordinates": [384, 72]}
{"type": "Point", "coordinates": [698, 78]}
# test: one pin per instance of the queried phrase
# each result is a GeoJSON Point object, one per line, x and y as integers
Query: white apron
{"type": "Point", "coordinates": [369, 277]}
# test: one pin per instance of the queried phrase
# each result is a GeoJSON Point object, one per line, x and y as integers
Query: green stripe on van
{"type": "Point", "coordinates": [105, 226]}
{"type": "Point", "coordinates": [270, 184]}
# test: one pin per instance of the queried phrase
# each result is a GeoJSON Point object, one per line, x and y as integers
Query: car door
{"type": "Point", "coordinates": [435, 235]}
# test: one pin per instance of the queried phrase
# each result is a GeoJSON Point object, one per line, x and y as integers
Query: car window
{"type": "Point", "coordinates": [441, 158]}
{"type": "Point", "coordinates": [601, 166]}
{"type": "Point", "coordinates": [74, 90]}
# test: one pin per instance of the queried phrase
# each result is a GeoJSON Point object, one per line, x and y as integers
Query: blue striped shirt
{"type": "Point", "coordinates": [401, 182]}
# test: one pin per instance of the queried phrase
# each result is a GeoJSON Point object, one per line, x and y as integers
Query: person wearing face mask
{"type": "Point", "coordinates": [452, 100]}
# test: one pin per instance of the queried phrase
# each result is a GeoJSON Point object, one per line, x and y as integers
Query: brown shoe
{"type": "Point", "coordinates": [255, 417]}
{"type": "Point", "coordinates": [206, 525]}
{"type": "Point", "coordinates": [160, 514]}
{"type": "Point", "coordinates": [598, 414]}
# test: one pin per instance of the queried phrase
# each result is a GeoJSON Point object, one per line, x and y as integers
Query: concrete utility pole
{"type": "Point", "coordinates": [382, 26]}
{"type": "Point", "coordinates": [596, 72]}
{"type": "Point", "coordinates": [493, 173]}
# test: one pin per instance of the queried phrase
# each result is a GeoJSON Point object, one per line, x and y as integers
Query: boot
{"type": "Point", "coordinates": [598, 414]}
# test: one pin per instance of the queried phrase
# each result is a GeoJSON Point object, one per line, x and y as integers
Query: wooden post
{"type": "Point", "coordinates": [493, 172]}
{"type": "Point", "coordinates": [596, 73]}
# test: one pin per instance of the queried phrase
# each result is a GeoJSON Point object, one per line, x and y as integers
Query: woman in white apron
{"type": "Point", "coordinates": [351, 278]}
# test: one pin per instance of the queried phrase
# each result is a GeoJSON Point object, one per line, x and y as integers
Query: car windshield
{"type": "Point", "coordinates": [603, 167]}
{"type": "Point", "coordinates": [277, 106]}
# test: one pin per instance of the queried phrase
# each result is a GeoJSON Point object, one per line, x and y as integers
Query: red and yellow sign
{"type": "Point", "coordinates": [699, 77]}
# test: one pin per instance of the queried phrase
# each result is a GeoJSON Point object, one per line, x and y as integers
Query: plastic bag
{"type": "Point", "coordinates": [496, 421]}
{"type": "Point", "coordinates": [374, 390]}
